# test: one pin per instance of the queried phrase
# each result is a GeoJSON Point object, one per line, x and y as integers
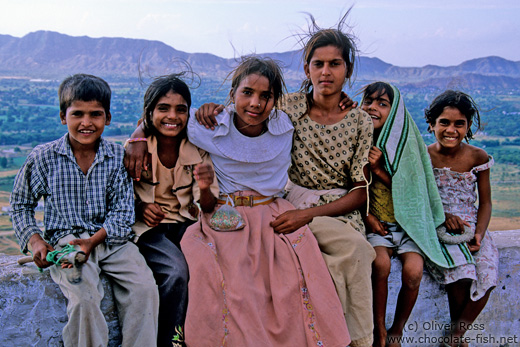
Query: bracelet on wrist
{"type": "Point", "coordinates": [137, 139]}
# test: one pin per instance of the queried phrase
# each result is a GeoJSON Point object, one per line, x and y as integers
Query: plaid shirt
{"type": "Point", "coordinates": [74, 202]}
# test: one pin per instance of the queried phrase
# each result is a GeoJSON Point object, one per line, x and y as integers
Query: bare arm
{"type": "Point", "coordinates": [484, 209]}
{"type": "Point", "coordinates": [136, 154]}
{"type": "Point", "coordinates": [206, 113]}
{"type": "Point", "coordinates": [375, 158]}
{"type": "Point", "coordinates": [205, 175]}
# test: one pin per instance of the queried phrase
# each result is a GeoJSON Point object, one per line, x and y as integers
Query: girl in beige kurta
{"type": "Point", "coordinates": [327, 164]}
{"type": "Point", "coordinates": [329, 157]}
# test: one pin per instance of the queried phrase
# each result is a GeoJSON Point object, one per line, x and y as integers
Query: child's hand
{"type": "Point", "coordinates": [151, 213]}
{"type": "Point", "coordinates": [454, 224]}
{"type": "Point", "coordinates": [204, 175]}
{"type": "Point", "coordinates": [375, 159]}
{"type": "Point", "coordinates": [205, 115]}
{"type": "Point", "coordinates": [290, 221]}
{"type": "Point", "coordinates": [346, 102]}
{"type": "Point", "coordinates": [374, 225]}
{"type": "Point", "coordinates": [474, 244]}
{"type": "Point", "coordinates": [85, 245]}
{"type": "Point", "coordinates": [136, 159]}
{"type": "Point", "coordinates": [40, 248]}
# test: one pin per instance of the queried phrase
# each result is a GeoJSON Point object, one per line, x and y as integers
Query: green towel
{"type": "Point", "coordinates": [417, 204]}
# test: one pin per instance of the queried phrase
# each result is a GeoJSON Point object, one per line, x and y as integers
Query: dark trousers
{"type": "Point", "coordinates": [160, 247]}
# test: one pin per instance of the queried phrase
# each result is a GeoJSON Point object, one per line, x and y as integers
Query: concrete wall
{"type": "Point", "coordinates": [33, 310]}
{"type": "Point", "coordinates": [497, 325]}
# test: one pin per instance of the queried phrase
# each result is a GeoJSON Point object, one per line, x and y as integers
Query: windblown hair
{"type": "Point", "coordinates": [340, 37]}
{"type": "Point", "coordinates": [266, 67]}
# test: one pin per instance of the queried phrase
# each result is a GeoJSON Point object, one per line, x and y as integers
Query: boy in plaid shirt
{"type": "Point", "coordinates": [88, 204]}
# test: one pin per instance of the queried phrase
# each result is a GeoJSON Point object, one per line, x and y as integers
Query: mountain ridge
{"type": "Point", "coordinates": [48, 54]}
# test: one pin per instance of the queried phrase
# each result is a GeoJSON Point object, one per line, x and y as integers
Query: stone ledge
{"type": "Point", "coordinates": [33, 309]}
{"type": "Point", "coordinates": [499, 322]}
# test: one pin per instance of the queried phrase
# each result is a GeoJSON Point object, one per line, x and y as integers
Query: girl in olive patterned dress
{"type": "Point", "coordinates": [329, 173]}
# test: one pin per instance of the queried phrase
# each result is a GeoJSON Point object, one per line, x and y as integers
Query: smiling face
{"type": "Point", "coordinates": [450, 127]}
{"type": "Point", "coordinates": [254, 101]}
{"type": "Point", "coordinates": [327, 70]}
{"type": "Point", "coordinates": [378, 107]}
{"type": "Point", "coordinates": [85, 122]}
{"type": "Point", "coordinates": [170, 115]}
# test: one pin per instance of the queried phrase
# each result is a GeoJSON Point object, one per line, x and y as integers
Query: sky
{"type": "Point", "coordinates": [399, 32]}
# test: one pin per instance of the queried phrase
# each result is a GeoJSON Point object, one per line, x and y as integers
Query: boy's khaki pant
{"type": "Point", "coordinates": [135, 294]}
{"type": "Point", "coordinates": [349, 258]}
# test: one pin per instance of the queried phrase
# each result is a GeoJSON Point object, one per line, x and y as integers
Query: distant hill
{"type": "Point", "coordinates": [467, 82]}
{"type": "Point", "coordinates": [47, 54]}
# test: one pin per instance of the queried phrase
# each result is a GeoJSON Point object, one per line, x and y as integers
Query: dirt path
{"type": "Point", "coordinates": [8, 173]}
{"type": "Point", "coordinates": [502, 223]}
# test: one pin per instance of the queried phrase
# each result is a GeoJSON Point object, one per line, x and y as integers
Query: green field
{"type": "Point", "coordinates": [505, 185]}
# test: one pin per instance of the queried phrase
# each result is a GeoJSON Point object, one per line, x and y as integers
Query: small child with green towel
{"type": "Point", "coordinates": [404, 207]}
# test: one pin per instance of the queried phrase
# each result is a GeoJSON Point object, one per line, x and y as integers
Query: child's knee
{"type": "Point", "coordinates": [412, 276]}
{"type": "Point", "coordinates": [381, 265]}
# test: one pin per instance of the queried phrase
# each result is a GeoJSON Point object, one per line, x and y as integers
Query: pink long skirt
{"type": "Point", "coordinates": [254, 287]}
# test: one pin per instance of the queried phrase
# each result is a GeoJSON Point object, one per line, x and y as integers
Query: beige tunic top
{"type": "Point", "coordinates": [177, 191]}
{"type": "Point", "coordinates": [327, 156]}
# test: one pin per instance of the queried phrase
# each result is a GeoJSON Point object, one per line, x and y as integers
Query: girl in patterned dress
{"type": "Point", "coordinates": [459, 168]}
{"type": "Point", "coordinates": [328, 173]}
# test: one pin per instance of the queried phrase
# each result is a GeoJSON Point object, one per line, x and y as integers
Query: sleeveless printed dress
{"type": "Point", "coordinates": [458, 194]}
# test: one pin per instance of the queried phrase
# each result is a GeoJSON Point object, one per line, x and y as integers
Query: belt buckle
{"type": "Point", "coordinates": [241, 200]}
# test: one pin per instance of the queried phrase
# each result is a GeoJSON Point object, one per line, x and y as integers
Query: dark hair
{"type": "Point", "coordinates": [459, 100]}
{"type": "Point", "coordinates": [337, 37]}
{"type": "Point", "coordinates": [381, 88]}
{"type": "Point", "coordinates": [85, 88]}
{"type": "Point", "coordinates": [159, 88]}
{"type": "Point", "coordinates": [266, 67]}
